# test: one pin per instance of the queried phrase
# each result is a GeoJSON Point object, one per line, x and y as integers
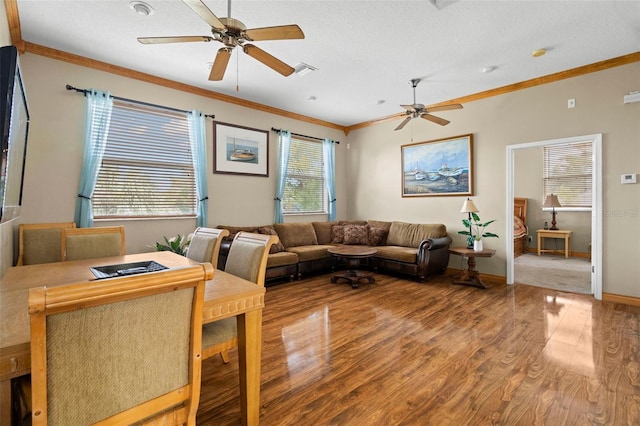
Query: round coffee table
{"type": "Point", "coordinates": [352, 256]}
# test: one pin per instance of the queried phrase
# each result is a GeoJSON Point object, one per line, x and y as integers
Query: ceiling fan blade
{"type": "Point", "coordinates": [270, 61]}
{"type": "Point", "coordinates": [408, 107]}
{"type": "Point", "coordinates": [284, 32]}
{"type": "Point", "coordinates": [404, 123]}
{"type": "Point", "coordinates": [176, 39]}
{"type": "Point", "coordinates": [437, 120]}
{"type": "Point", "coordinates": [205, 13]}
{"type": "Point", "coordinates": [444, 108]}
{"type": "Point", "coordinates": [220, 64]}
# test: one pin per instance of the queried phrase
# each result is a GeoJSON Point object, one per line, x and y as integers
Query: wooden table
{"type": "Point", "coordinates": [352, 256]}
{"type": "Point", "coordinates": [470, 276]}
{"type": "Point", "coordinates": [559, 233]}
{"type": "Point", "coordinates": [225, 296]}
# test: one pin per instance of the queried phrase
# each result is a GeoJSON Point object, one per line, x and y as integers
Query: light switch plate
{"type": "Point", "coordinates": [628, 178]}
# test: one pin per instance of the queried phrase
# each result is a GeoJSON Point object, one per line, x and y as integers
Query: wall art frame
{"type": "Point", "coordinates": [441, 167]}
{"type": "Point", "coordinates": [240, 150]}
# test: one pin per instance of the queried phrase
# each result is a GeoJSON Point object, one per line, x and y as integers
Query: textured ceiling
{"type": "Point", "coordinates": [365, 51]}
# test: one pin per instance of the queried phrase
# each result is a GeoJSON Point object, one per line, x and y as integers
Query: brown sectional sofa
{"type": "Point", "coordinates": [412, 249]}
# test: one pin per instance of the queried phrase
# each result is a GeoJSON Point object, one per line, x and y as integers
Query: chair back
{"type": "Point", "coordinates": [119, 350]}
{"type": "Point", "coordinates": [40, 242]}
{"type": "Point", "coordinates": [91, 243]}
{"type": "Point", "coordinates": [248, 256]}
{"type": "Point", "coordinates": [205, 244]}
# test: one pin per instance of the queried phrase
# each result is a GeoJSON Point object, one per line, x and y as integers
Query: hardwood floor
{"type": "Point", "coordinates": [398, 352]}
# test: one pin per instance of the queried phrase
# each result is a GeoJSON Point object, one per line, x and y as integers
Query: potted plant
{"type": "Point", "coordinates": [476, 233]}
{"type": "Point", "coordinates": [178, 244]}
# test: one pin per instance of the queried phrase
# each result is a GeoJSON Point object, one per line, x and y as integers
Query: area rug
{"type": "Point", "coordinates": [551, 271]}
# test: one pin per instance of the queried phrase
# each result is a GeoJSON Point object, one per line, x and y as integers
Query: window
{"type": "Point", "coordinates": [147, 168]}
{"type": "Point", "coordinates": [304, 190]}
{"type": "Point", "coordinates": [567, 171]}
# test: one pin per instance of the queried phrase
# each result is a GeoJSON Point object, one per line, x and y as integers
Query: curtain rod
{"type": "Point", "coordinates": [85, 91]}
{"type": "Point", "coordinates": [273, 129]}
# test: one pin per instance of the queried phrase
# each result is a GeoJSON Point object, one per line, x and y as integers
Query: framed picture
{"type": "Point", "coordinates": [240, 150]}
{"type": "Point", "coordinates": [439, 167]}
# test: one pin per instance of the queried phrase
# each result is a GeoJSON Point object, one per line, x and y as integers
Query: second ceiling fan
{"type": "Point", "coordinates": [232, 33]}
{"type": "Point", "coordinates": [419, 110]}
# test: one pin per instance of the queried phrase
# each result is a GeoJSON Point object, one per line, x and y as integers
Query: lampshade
{"type": "Point", "coordinates": [469, 207]}
{"type": "Point", "coordinates": [551, 201]}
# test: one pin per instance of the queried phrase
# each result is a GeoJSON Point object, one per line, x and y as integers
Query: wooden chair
{"type": "Point", "coordinates": [247, 259]}
{"type": "Point", "coordinates": [40, 242]}
{"type": "Point", "coordinates": [119, 351]}
{"type": "Point", "coordinates": [205, 245]}
{"type": "Point", "coordinates": [91, 243]}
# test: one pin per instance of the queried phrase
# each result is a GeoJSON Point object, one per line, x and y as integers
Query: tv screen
{"type": "Point", "coordinates": [14, 125]}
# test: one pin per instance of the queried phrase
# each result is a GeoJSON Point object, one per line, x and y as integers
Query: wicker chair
{"type": "Point", "coordinates": [247, 259]}
{"type": "Point", "coordinates": [40, 242]}
{"type": "Point", "coordinates": [119, 351]}
{"type": "Point", "coordinates": [91, 243]}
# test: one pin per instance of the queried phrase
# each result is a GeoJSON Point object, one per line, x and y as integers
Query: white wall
{"type": "Point", "coordinates": [56, 145]}
{"type": "Point", "coordinates": [530, 115]}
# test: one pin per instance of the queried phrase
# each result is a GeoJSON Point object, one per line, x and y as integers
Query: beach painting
{"type": "Point", "coordinates": [240, 150]}
{"type": "Point", "coordinates": [438, 168]}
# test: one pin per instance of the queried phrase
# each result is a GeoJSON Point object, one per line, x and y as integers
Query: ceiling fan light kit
{"type": "Point", "coordinates": [417, 110]}
{"type": "Point", "coordinates": [232, 32]}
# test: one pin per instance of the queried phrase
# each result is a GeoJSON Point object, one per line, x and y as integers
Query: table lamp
{"type": "Point", "coordinates": [469, 207]}
{"type": "Point", "coordinates": [552, 201]}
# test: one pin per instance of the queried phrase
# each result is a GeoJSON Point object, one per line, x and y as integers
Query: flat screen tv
{"type": "Point", "coordinates": [14, 127]}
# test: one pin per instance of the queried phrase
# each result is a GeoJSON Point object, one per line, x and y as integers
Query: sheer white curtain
{"type": "Point", "coordinates": [98, 116]}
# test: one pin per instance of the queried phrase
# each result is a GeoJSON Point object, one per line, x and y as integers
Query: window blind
{"type": "Point", "coordinates": [567, 171]}
{"type": "Point", "coordinates": [147, 169]}
{"type": "Point", "coordinates": [305, 190]}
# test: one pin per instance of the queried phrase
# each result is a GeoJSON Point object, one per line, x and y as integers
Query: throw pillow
{"type": "Point", "coordinates": [267, 230]}
{"type": "Point", "coordinates": [356, 234]}
{"type": "Point", "coordinates": [337, 234]}
{"type": "Point", "coordinates": [376, 236]}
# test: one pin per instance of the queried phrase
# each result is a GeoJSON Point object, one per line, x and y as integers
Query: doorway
{"type": "Point", "coordinates": [596, 210]}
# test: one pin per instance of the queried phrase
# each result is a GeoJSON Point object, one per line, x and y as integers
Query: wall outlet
{"type": "Point", "coordinates": [529, 238]}
{"type": "Point", "coordinates": [571, 103]}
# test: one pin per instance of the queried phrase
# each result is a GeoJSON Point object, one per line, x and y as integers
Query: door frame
{"type": "Point", "coordinates": [596, 208]}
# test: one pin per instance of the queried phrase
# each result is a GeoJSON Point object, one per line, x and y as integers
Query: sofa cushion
{"type": "Point", "coordinates": [323, 231]}
{"type": "Point", "coordinates": [337, 234]}
{"type": "Point", "coordinates": [377, 236]}
{"type": "Point", "coordinates": [268, 230]}
{"type": "Point", "coordinates": [398, 253]}
{"type": "Point", "coordinates": [383, 225]}
{"type": "Point", "coordinates": [352, 222]}
{"type": "Point", "coordinates": [412, 234]}
{"type": "Point", "coordinates": [296, 234]}
{"type": "Point", "coordinates": [312, 252]}
{"type": "Point", "coordinates": [356, 234]}
{"type": "Point", "coordinates": [282, 258]}
{"type": "Point", "coordinates": [233, 230]}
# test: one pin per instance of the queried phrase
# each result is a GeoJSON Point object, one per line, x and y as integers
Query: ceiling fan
{"type": "Point", "coordinates": [418, 110]}
{"type": "Point", "coordinates": [232, 33]}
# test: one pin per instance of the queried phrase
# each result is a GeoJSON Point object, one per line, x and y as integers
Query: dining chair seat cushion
{"type": "Point", "coordinates": [201, 248]}
{"type": "Point", "coordinates": [219, 331]}
{"type": "Point", "coordinates": [93, 246]}
{"type": "Point", "coordinates": [41, 246]}
{"type": "Point", "coordinates": [244, 260]}
{"type": "Point", "coordinates": [106, 348]}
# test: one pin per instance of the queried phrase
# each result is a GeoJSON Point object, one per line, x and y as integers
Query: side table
{"type": "Point", "coordinates": [558, 233]}
{"type": "Point", "coordinates": [470, 277]}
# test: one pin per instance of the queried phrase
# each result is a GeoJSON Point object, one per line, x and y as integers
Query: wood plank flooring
{"type": "Point", "coordinates": [398, 352]}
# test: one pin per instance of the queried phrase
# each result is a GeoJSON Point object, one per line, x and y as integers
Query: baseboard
{"type": "Point", "coordinates": [500, 279]}
{"type": "Point", "coordinates": [616, 298]}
